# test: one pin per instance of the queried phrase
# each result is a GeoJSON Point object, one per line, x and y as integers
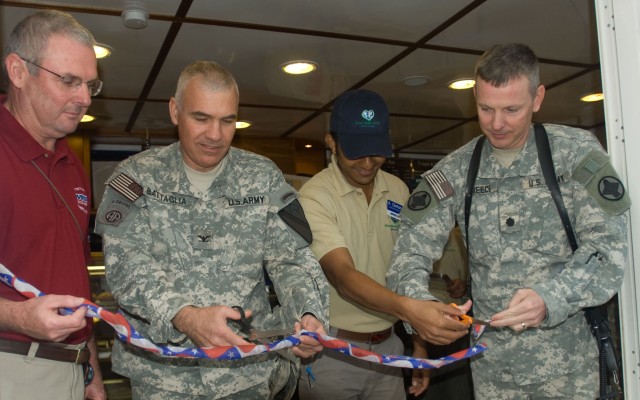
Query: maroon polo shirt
{"type": "Point", "coordinates": [39, 240]}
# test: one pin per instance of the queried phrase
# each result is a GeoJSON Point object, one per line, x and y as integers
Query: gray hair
{"type": "Point", "coordinates": [214, 77]}
{"type": "Point", "coordinates": [503, 63]}
{"type": "Point", "coordinates": [30, 37]}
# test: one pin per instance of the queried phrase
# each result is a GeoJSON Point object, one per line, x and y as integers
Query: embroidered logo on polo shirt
{"type": "Point", "coordinates": [82, 199]}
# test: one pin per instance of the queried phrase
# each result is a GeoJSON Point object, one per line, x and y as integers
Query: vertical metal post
{"type": "Point", "coordinates": [619, 43]}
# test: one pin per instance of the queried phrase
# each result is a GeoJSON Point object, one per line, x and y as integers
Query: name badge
{"type": "Point", "coordinates": [393, 210]}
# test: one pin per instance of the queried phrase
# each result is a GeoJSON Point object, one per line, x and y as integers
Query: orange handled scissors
{"type": "Point", "coordinates": [470, 320]}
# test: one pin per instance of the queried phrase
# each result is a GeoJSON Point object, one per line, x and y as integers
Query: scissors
{"type": "Point", "coordinates": [253, 335]}
{"type": "Point", "coordinates": [470, 320]}
{"type": "Point", "coordinates": [260, 337]}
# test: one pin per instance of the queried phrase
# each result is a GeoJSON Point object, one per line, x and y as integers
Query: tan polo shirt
{"type": "Point", "coordinates": [453, 263]}
{"type": "Point", "coordinates": [340, 217]}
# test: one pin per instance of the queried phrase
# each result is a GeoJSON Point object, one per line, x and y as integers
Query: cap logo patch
{"type": "Point", "coordinates": [368, 114]}
{"type": "Point", "coordinates": [611, 188]}
{"type": "Point", "coordinates": [419, 201]}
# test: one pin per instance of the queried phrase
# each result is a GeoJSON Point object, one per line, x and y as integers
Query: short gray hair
{"type": "Point", "coordinates": [503, 63]}
{"type": "Point", "coordinates": [214, 77]}
{"type": "Point", "coordinates": [30, 37]}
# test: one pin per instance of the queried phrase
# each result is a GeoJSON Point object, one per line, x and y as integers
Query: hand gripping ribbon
{"type": "Point", "coordinates": [127, 334]}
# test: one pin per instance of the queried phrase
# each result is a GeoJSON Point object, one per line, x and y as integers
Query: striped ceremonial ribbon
{"type": "Point", "coordinates": [126, 333]}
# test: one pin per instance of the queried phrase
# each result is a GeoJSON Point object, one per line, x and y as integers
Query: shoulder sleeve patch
{"type": "Point", "coordinates": [115, 214]}
{"type": "Point", "coordinates": [601, 181]}
{"type": "Point", "coordinates": [421, 202]}
{"type": "Point", "coordinates": [119, 207]}
{"type": "Point", "coordinates": [291, 212]}
{"type": "Point", "coordinates": [293, 215]}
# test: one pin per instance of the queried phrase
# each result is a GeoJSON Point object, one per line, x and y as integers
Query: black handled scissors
{"type": "Point", "coordinates": [254, 335]}
{"type": "Point", "coordinates": [259, 337]}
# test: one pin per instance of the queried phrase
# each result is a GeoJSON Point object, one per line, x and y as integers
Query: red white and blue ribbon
{"type": "Point", "coordinates": [126, 333]}
{"type": "Point", "coordinates": [477, 331]}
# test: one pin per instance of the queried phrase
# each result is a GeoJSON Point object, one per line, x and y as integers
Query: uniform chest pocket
{"type": "Point", "coordinates": [484, 224]}
{"type": "Point", "coordinates": [243, 234]}
{"type": "Point", "coordinates": [545, 233]}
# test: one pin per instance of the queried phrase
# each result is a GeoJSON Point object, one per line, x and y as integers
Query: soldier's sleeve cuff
{"type": "Point", "coordinates": [556, 306]}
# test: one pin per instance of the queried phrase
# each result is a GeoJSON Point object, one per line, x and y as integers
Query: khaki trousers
{"type": "Point", "coordinates": [24, 377]}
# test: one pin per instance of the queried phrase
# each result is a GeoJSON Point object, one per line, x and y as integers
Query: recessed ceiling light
{"type": "Point", "coordinates": [417, 80]}
{"type": "Point", "coordinates": [298, 67]}
{"type": "Point", "coordinates": [592, 97]}
{"type": "Point", "coordinates": [242, 124]}
{"type": "Point", "coordinates": [308, 146]}
{"type": "Point", "coordinates": [460, 84]}
{"type": "Point", "coordinates": [87, 118]}
{"type": "Point", "coordinates": [102, 50]}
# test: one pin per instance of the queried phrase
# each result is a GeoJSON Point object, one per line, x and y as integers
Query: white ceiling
{"type": "Point", "coordinates": [356, 43]}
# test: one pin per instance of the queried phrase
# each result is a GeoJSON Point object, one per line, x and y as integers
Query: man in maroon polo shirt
{"type": "Point", "coordinates": [44, 210]}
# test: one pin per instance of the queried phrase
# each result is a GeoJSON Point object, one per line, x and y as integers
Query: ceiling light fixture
{"type": "Point", "coordinates": [592, 97]}
{"type": "Point", "coordinates": [243, 124]}
{"type": "Point", "coordinates": [101, 50]}
{"type": "Point", "coordinates": [460, 84]}
{"type": "Point", "coordinates": [417, 80]}
{"type": "Point", "coordinates": [87, 118]}
{"type": "Point", "coordinates": [134, 15]}
{"type": "Point", "coordinates": [308, 146]}
{"type": "Point", "coordinates": [298, 67]}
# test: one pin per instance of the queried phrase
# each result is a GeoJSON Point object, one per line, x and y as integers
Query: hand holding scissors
{"type": "Point", "coordinates": [464, 318]}
{"type": "Point", "coordinates": [261, 337]}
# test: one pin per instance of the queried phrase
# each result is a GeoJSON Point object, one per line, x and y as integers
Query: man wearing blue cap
{"type": "Point", "coordinates": [352, 207]}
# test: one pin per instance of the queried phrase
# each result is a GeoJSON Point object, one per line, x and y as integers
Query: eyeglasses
{"type": "Point", "coordinates": [72, 82]}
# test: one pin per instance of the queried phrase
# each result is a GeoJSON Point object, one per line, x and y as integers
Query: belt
{"type": "Point", "coordinates": [46, 351]}
{"type": "Point", "coordinates": [373, 337]}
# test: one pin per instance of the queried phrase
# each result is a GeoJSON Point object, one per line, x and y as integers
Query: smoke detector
{"type": "Point", "coordinates": [135, 15]}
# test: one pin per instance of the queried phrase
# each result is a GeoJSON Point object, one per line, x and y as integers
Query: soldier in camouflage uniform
{"type": "Point", "coordinates": [525, 277]}
{"type": "Point", "coordinates": [189, 230]}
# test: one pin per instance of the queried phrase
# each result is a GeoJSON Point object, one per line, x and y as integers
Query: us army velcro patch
{"type": "Point", "coordinates": [291, 212]}
{"type": "Point", "coordinates": [421, 202]}
{"type": "Point", "coordinates": [127, 187]}
{"type": "Point", "coordinates": [600, 179]}
{"type": "Point", "coordinates": [293, 215]}
{"type": "Point", "coordinates": [440, 185]}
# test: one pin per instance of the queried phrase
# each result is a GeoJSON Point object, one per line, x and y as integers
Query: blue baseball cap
{"type": "Point", "coordinates": [360, 120]}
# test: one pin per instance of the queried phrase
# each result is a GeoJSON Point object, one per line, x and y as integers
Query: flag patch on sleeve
{"type": "Point", "coordinates": [127, 187]}
{"type": "Point", "coordinates": [439, 184]}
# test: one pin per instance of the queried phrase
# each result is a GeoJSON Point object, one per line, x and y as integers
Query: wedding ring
{"type": "Point", "coordinates": [524, 326]}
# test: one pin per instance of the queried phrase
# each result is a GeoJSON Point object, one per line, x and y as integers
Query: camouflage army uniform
{"type": "Point", "coordinates": [168, 246]}
{"type": "Point", "coordinates": [517, 241]}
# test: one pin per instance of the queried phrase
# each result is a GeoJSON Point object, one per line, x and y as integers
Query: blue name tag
{"type": "Point", "coordinates": [393, 210]}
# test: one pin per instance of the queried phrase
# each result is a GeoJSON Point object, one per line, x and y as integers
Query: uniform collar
{"type": "Point", "coordinates": [525, 163]}
{"type": "Point", "coordinates": [173, 178]}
